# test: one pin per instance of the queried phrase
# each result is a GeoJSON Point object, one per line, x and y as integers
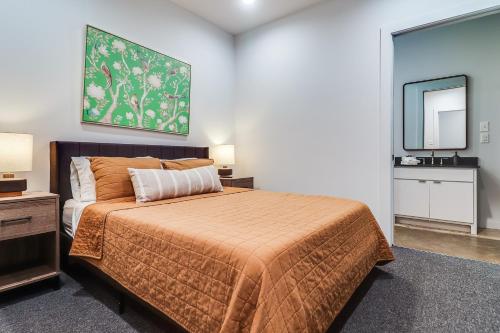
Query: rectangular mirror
{"type": "Point", "coordinates": [435, 114]}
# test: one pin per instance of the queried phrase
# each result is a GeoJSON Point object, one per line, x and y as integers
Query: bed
{"type": "Point", "coordinates": [235, 261]}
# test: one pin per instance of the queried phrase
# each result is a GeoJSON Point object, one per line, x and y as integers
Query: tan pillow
{"type": "Point", "coordinates": [112, 178]}
{"type": "Point", "coordinates": [152, 185]}
{"type": "Point", "coordinates": [186, 164]}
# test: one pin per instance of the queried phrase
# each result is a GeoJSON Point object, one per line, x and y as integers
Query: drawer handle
{"type": "Point", "coordinates": [437, 182]}
{"type": "Point", "coordinates": [422, 181]}
{"type": "Point", "coordinates": [21, 220]}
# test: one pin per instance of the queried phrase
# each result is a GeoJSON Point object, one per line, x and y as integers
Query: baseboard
{"type": "Point", "coordinates": [433, 225]}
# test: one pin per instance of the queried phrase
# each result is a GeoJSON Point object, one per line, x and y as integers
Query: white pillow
{"type": "Point", "coordinates": [75, 181]}
{"type": "Point", "coordinates": [152, 185]}
{"type": "Point", "coordinates": [86, 179]}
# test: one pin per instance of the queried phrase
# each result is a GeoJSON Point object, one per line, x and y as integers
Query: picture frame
{"type": "Point", "coordinates": [132, 86]}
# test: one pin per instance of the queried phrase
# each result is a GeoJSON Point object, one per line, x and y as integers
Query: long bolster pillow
{"type": "Point", "coordinates": [153, 185]}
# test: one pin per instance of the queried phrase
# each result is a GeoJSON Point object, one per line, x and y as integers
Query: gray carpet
{"type": "Point", "coordinates": [424, 292]}
{"type": "Point", "coordinates": [419, 292]}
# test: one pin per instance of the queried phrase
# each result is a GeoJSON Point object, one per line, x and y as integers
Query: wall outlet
{"type": "Point", "coordinates": [485, 137]}
{"type": "Point", "coordinates": [484, 126]}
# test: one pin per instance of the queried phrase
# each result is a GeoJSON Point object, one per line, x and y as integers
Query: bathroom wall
{"type": "Point", "coordinates": [471, 48]}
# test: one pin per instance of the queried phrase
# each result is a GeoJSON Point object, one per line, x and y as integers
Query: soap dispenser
{"type": "Point", "coordinates": [455, 159]}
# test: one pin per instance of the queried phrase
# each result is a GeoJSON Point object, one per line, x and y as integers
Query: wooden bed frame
{"type": "Point", "coordinates": [60, 159]}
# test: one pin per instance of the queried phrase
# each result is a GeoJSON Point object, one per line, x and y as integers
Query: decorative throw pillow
{"type": "Point", "coordinates": [187, 163]}
{"type": "Point", "coordinates": [82, 173]}
{"type": "Point", "coordinates": [153, 185]}
{"type": "Point", "coordinates": [112, 178]}
{"type": "Point", "coordinates": [163, 166]}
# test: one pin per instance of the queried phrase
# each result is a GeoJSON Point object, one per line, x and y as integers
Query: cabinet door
{"type": "Point", "coordinates": [452, 201]}
{"type": "Point", "coordinates": [411, 198]}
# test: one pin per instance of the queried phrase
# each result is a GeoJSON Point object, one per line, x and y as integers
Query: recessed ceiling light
{"type": "Point", "coordinates": [248, 2]}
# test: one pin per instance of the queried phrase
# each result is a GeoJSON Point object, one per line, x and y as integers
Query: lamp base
{"type": "Point", "coordinates": [12, 187]}
{"type": "Point", "coordinates": [225, 172]}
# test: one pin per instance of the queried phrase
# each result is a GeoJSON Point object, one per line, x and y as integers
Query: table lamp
{"type": "Point", "coordinates": [16, 154]}
{"type": "Point", "coordinates": [223, 155]}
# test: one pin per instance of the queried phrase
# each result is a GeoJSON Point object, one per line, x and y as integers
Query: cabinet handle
{"type": "Point", "coordinates": [21, 220]}
{"type": "Point", "coordinates": [437, 182]}
{"type": "Point", "coordinates": [422, 181]}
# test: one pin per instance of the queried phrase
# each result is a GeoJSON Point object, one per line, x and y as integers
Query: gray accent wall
{"type": "Point", "coordinates": [471, 48]}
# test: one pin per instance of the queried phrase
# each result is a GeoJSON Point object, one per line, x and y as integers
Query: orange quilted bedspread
{"type": "Point", "coordinates": [237, 261]}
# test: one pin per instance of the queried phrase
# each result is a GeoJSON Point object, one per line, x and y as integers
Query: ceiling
{"type": "Point", "coordinates": [236, 16]}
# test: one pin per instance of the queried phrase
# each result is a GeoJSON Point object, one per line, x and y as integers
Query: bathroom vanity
{"type": "Point", "coordinates": [439, 197]}
{"type": "Point", "coordinates": [436, 192]}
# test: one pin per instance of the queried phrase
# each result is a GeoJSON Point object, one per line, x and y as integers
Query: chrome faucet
{"type": "Point", "coordinates": [432, 157]}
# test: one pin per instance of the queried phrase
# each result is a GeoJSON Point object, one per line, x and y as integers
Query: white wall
{"type": "Point", "coordinates": [472, 48]}
{"type": "Point", "coordinates": [41, 67]}
{"type": "Point", "coordinates": [308, 90]}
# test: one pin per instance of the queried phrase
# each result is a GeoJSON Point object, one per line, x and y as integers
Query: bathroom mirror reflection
{"type": "Point", "coordinates": [435, 114]}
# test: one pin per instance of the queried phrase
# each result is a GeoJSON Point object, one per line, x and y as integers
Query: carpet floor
{"type": "Point", "coordinates": [419, 292]}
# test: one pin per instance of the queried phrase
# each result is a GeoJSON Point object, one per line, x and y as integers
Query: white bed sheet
{"type": "Point", "coordinates": [72, 212]}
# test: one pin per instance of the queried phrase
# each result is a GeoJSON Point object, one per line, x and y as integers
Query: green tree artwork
{"type": "Point", "coordinates": [128, 85]}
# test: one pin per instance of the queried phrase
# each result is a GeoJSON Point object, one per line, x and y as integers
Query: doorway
{"type": "Point", "coordinates": [437, 206]}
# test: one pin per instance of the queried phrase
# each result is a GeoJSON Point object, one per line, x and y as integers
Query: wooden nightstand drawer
{"type": "Point", "coordinates": [238, 182]}
{"type": "Point", "coordinates": [27, 217]}
{"type": "Point", "coordinates": [29, 239]}
{"type": "Point", "coordinates": [243, 183]}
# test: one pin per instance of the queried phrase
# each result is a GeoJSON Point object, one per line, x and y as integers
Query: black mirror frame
{"type": "Point", "coordinates": [466, 113]}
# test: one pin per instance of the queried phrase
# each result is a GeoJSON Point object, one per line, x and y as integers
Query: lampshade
{"type": "Point", "coordinates": [16, 152]}
{"type": "Point", "coordinates": [223, 154]}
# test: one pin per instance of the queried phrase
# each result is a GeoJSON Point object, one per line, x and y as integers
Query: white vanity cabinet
{"type": "Point", "coordinates": [437, 194]}
{"type": "Point", "coordinates": [412, 197]}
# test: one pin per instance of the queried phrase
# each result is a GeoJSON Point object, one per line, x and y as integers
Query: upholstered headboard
{"type": "Point", "coordinates": [61, 153]}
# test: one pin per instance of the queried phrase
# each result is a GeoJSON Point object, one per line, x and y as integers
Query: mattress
{"type": "Point", "coordinates": [236, 261]}
{"type": "Point", "coordinates": [72, 212]}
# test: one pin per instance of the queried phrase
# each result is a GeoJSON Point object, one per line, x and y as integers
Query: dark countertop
{"type": "Point", "coordinates": [463, 163]}
{"type": "Point", "coordinates": [439, 166]}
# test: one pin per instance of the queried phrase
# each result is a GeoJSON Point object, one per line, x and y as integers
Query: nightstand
{"type": "Point", "coordinates": [29, 239]}
{"type": "Point", "coordinates": [243, 182]}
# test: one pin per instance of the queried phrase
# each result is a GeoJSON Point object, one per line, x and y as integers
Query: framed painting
{"type": "Point", "coordinates": [128, 85]}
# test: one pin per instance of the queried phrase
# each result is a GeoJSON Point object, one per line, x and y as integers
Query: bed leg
{"type": "Point", "coordinates": [56, 283]}
{"type": "Point", "coordinates": [121, 303]}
